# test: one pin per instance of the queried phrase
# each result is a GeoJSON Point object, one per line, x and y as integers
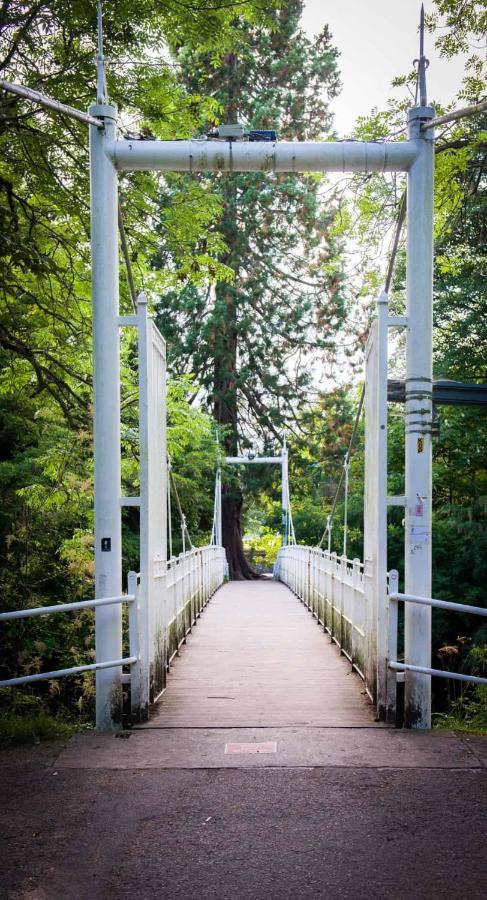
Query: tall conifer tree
{"type": "Point", "coordinates": [252, 342]}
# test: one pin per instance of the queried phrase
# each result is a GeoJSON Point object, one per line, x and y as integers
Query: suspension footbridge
{"type": "Point", "coordinates": [256, 751]}
{"type": "Point", "coordinates": [355, 602]}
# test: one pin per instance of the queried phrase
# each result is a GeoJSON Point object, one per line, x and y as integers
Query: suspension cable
{"type": "Point", "coordinates": [329, 521]}
{"type": "Point", "coordinates": [184, 527]}
{"type": "Point", "coordinates": [126, 257]}
{"type": "Point", "coordinates": [290, 533]}
{"type": "Point", "coordinates": [169, 519]}
{"type": "Point", "coordinates": [213, 526]}
{"type": "Point", "coordinates": [346, 463]}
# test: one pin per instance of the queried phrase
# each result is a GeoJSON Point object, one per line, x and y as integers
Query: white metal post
{"type": "Point", "coordinates": [392, 646]}
{"type": "Point", "coordinates": [153, 504]}
{"type": "Point", "coordinates": [375, 505]}
{"type": "Point", "coordinates": [346, 466]}
{"type": "Point", "coordinates": [284, 496]}
{"type": "Point", "coordinates": [218, 509]}
{"type": "Point", "coordinates": [419, 277]}
{"type": "Point", "coordinates": [108, 540]}
{"type": "Point", "coordinates": [380, 566]}
{"type": "Point", "coordinates": [145, 537]}
{"type": "Point", "coordinates": [134, 616]}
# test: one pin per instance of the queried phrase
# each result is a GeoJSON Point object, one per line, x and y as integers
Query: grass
{"type": "Point", "coordinates": [468, 714]}
{"type": "Point", "coordinates": [33, 727]}
{"type": "Point", "coordinates": [476, 725]}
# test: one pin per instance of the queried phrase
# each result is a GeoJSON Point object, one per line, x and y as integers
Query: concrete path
{"type": "Point", "coordinates": [333, 805]}
{"type": "Point", "coordinates": [258, 658]}
{"type": "Point", "coordinates": [260, 685]}
{"type": "Point", "coordinates": [359, 833]}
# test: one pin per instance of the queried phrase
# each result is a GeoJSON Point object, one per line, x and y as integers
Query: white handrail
{"type": "Point", "coordinates": [58, 673]}
{"type": "Point", "coordinates": [68, 607]}
{"type": "Point", "coordinates": [65, 607]}
{"type": "Point", "coordinates": [440, 604]}
{"type": "Point", "coordinates": [440, 673]}
{"type": "Point", "coordinates": [396, 597]}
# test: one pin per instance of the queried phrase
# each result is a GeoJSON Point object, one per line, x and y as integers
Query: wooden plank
{"type": "Point", "coordinates": [258, 658]}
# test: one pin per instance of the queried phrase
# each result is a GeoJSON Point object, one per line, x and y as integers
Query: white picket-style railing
{"type": "Point", "coordinates": [333, 589]}
{"type": "Point", "coordinates": [336, 590]}
{"type": "Point", "coordinates": [168, 608]}
{"type": "Point", "coordinates": [181, 589]}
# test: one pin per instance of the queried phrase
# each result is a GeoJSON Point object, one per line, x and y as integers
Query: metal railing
{"type": "Point", "coordinates": [336, 591]}
{"type": "Point", "coordinates": [169, 605]}
{"type": "Point", "coordinates": [395, 597]}
{"type": "Point", "coordinates": [333, 589]}
{"type": "Point", "coordinates": [158, 621]}
{"type": "Point", "coordinates": [70, 607]}
{"type": "Point", "coordinates": [192, 579]}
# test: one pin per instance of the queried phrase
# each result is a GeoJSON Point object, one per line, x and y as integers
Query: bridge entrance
{"type": "Point", "coordinates": [257, 658]}
{"type": "Point", "coordinates": [165, 626]}
{"type": "Point", "coordinates": [354, 601]}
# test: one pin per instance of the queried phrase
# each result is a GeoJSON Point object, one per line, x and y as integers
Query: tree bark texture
{"type": "Point", "coordinates": [225, 385]}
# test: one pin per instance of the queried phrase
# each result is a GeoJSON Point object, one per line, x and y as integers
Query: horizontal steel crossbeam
{"type": "Point", "coordinates": [243, 460]}
{"type": "Point", "coordinates": [282, 156]}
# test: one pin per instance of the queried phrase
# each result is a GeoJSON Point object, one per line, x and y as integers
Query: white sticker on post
{"type": "Point", "coordinates": [418, 536]}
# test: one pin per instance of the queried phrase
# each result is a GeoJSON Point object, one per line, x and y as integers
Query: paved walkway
{"type": "Point", "coordinates": [259, 685]}
{"type": "Point", "coordinates": [258, 658]}
{"type": "Point", "coordinates": [333, 806]}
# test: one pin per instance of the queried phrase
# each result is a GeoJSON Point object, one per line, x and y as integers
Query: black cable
{"type": "Point", "coordinates": [390, 269]}
{"type": "Point", "coordinates": [126, 256]}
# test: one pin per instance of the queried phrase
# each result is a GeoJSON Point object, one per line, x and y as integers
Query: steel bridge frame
{"type": "Point", "coordinates": [283, 462]}
{"type": "Point", "coordinates": [414, 156]}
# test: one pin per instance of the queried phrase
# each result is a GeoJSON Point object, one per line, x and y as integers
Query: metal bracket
{"type": "Point", "coordinates": [124, 321]}
{"type": "Point", "coordinates": [396, 501]}
{"type": "Point", "coordinates": [397, 322]}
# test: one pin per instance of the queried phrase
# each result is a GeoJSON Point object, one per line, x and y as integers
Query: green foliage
{"type": "Point", "coordinates": [33, 728]}
{"type": "Point", "coordinates": [46, 554]}
{"type": "Point", "coordinates": [245, 339]}
{"type": "Point", "coordinates": [468, 711]}
{"type": "Point", "coordinates": [249, 272]}
{"type": "Point", "coordinates": [460, 27]}
{"type": "Point", "coordinates": [262, 550]}
{"type": "Point", "coordinates": [26, 718]}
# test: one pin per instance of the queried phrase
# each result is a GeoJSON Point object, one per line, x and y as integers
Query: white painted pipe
{"type": "Point", "coordinates": [284, 496]}
{"type": "Point", "coordinates": [49, 103]}
{"type": "Point", "coordinates": [75, 670]}
{"type": "Point", "coordinates": [243, 460]}
{"type": "Point", "coordinates": [440, 604]}
{"type": "Point", "coordinates": [418, 418]}
{"type": "Point", "coordinates": [64, 607]}
{"type": "Point", "coordinates": [108, 532]}
{"type": "Point", "coordinates": [439, 673]}
{"type": "Point", "coordinates": [282, 156]}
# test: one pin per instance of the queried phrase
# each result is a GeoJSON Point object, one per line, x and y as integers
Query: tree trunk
{"type": "Point", "coordinates": [225, 410]}
{"type": "Point", "coordinates": [238, 565]}
{"type": "Point", "coordinates": [225, 384]}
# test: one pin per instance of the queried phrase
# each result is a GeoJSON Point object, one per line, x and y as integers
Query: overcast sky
{"type": "Point", "coordinates": [377, 40]}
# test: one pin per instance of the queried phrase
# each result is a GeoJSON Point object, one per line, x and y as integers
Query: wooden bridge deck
{"type": "Point", "coordinates": [258, 658]}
